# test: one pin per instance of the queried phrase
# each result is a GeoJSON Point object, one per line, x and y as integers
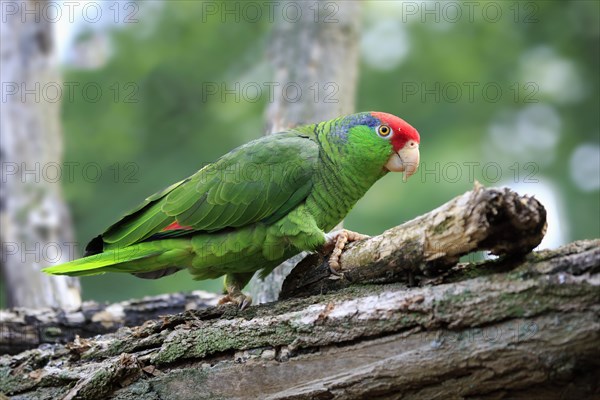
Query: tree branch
{"type": "Point", "coordinates": [25, 328]}
{"type": "Point", "coordinates": [496, 220]}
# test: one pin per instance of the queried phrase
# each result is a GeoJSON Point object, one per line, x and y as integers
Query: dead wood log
{"type": "Point", "coordinates": [520, 326]}
{"type": "Point", "coordinates": [531, 332]}
{"type": "Point", "coordinates": [24, 328]}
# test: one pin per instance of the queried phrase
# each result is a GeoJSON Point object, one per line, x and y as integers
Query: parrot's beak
{"type": "Point", "coordinates": [406, 160]}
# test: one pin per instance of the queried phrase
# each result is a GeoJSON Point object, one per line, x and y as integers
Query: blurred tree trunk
{"type": "Point", "coordinates": [315, 61]}
{"type": "Point", "coordinates": [35, 226]}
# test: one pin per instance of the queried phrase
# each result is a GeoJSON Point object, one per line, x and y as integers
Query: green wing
{"type": "Point", "coordinates": [138, 224]}
{"type": "Point", "coordinates": [260, 181]}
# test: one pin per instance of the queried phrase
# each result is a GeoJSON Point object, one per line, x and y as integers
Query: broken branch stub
{"type": "Point", "coordinates": [497, 220]}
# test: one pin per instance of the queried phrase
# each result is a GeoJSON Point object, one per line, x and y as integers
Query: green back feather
{"type": "Point", "coordinates": [260, 181]}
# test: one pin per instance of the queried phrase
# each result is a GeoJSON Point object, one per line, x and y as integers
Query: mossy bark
{"type": "Point", "coordinates": [525, 328]}
{"type": "Point", "coordinates": [413, 324]}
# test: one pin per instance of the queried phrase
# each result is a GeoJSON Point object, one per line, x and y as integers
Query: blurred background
{"type": "Point", "coordinates": [505, 93]}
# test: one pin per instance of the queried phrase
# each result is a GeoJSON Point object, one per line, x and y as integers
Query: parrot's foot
{"type": "Point", "coordinates": [237, 298]}
{"type": "Point", "coordinates": [338, 240]}
{"type": "Point", "coordinates": [234, 283]}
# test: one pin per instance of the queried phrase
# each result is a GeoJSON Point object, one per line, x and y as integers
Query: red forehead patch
{"type": "Point", "coordinates": [403, 131]}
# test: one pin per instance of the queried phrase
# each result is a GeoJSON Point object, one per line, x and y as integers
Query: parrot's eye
{"type": "Point", "coordinates": [384, 130]}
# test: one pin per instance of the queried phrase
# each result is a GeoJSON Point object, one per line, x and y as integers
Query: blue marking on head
{"type": "Point", "coordinates": [340, 129]}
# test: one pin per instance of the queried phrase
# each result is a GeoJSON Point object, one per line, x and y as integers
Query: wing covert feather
{"type": "Point", "coordinates": [266, 177]}
{"type": "Point", "coordinates": [260, 181]}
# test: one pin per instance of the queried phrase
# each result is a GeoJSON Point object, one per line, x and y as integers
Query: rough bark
{"type": "Point", "coordinates": [35, 225]}
{"type": "Point", "coordinates": [495, 220]}
{"type": "Point", "coordinates": [498, 220]}
{"type": "Point", "coordinates": [520, 326]}
{"type": "Point", "coordinates": [530, 331]}
{"type": "Point", "coordinates": [319, 55]}
{"type": "Point", "coordinates": [25, 328]}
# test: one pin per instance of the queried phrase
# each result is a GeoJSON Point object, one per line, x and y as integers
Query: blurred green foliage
{"type": "Point", "coordinates": [155, 122]}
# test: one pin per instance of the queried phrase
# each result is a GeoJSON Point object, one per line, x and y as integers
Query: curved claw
{"type": "Point", "coordinates": [241, 300]}
{"type": "Point", "coordinates": [337, 241]}
{"type": "Point", "coordinates": [336, 274]}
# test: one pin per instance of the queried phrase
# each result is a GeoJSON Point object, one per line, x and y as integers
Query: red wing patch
{"type": "Point", "coordinates": [175, 225]}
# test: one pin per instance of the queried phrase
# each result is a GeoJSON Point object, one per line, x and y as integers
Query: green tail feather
{"type": "Point", "coordinates": [139, 258]}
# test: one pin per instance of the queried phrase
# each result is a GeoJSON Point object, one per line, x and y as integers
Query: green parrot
{"type": "Point", "coordinates": [257, 205]}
